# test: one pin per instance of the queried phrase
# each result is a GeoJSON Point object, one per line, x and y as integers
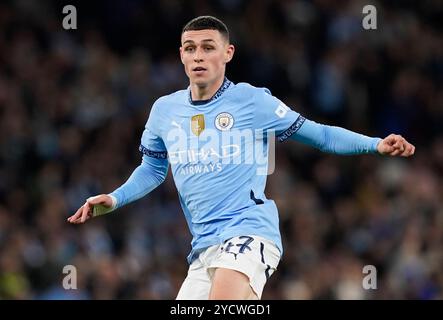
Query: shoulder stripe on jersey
{"type": "Point", "coordinates": [153, 154]}
{"type": "Point", "coordinates": [292, 129]}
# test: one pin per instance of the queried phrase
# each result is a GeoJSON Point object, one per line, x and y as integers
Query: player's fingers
{"type": "Point", "coordinates": [406, 153]}
{"type": "Point", "coordinates": [389, 149]}
{"type": "Point", "coordinates": [400, 142]}
{"type": "Point", "coordinates": [392, 138]}
{"type": "Point", "coordinates": [85, 212]}
{"type": "Point", "coordinates": [390, 144]}
{"type": "Point", "coordinates": [77, 221]}
{"type": "Point", "coordinates": [76, 215]}
{"type": "Point", "coordinates": [77, 218]}
{"type": "Point", "coordinates": [385, 148]}
{"type": "Point", "coordinates": [394, 153]}
{"type": "Point", "coordinates": [409, 150]}
{"type": "Point", "coordinates": [399, 145]}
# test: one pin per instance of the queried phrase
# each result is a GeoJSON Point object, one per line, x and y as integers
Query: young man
{"type": "Point", "coordinates": [210, 134]}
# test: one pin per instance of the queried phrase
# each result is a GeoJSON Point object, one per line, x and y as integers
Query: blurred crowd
{"type": "Point", "coordinates": [73, 105]}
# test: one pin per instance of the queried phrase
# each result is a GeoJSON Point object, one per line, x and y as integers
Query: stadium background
{"type": "Point", "coordinates": [72, 109]}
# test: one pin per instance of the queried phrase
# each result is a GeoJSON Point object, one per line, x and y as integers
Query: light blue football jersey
{"type": "Point", "coordinates": [218, 150]}
{"type": "Point", "coordinates": [218, 155]}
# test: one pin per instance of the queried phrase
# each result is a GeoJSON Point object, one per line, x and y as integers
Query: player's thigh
{"type": "Point", "coordinates": [197, 284]}
{"type": "Point", "coordinates": [253, 258]}
{"type": "Point", "coordinates": [228, 284]}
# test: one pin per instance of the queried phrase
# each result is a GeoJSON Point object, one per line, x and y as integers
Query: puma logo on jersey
{"type": "Point", "coordinates": [175, 124]}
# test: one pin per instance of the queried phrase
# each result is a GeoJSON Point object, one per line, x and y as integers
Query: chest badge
{"type": "Point", "coordinates": [198, 124]}
{"type": "Point", "coordinates": [224, 121]}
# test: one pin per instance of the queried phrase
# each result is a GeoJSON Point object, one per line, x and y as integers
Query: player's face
{"type": "Point", "coordinates": [204, 53]}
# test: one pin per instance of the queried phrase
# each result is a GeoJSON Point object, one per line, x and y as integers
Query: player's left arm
{"type": "Point", "coordinates": [272, 114]}
{"type": "Point", "coordinates": [339, 140]}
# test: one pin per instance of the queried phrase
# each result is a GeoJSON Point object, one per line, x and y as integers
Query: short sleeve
{"type": "Point", "coordinates": [273, 114]}
{"type": "Point", "coordinates": [152, 144]}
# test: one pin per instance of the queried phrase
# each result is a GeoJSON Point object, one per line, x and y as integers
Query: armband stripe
{"type": "Point", "coordinates": [292, 129]}
{"type": "Point", "coordinates": [153, 154]}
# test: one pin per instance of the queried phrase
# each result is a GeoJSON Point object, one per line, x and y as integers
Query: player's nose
{"type": "Point", "coordinates": [198, 56]}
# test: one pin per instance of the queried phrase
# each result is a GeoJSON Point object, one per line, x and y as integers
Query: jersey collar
{"type": "Point", "coordinates": [225, 85]}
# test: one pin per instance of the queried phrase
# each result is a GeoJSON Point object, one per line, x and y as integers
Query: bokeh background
{"type": "Point", "coordinates": [73, 104]}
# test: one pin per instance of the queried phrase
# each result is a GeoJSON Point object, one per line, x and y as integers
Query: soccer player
{"type": "Point", "coordinates": [210, 134]}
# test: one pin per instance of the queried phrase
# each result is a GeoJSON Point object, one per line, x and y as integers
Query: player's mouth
{"type": "Point", "coordinates": [199, 70]}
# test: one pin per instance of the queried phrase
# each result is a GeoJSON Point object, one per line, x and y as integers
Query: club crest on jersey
{"type": "Point", "coordinates": [198, 124]}
{"type": "Point", "coordinates": [224, 121]}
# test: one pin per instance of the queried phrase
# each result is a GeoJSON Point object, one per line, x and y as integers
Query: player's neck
{"type": "Point", "coordinates": [205, 92]}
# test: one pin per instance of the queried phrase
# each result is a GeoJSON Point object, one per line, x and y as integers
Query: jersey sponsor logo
{"type": "Point", "coordinates": [224, 121]}
{"type": "Point", "coordinates": [198, 124]}
{"type": "Point", "coordinates": [230, 147]}
{"type": "Point", "coordinates": [192, 169]}
{"type": "Point", "coordinates": [281, 110]}
{"type": "Point", "coordinates": [205, 155]}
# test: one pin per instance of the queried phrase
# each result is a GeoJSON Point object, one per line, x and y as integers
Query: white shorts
{"type": "Point", "coordinates": [253, 256]}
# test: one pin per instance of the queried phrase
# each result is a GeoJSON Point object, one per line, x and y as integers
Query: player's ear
{"type": "Point", "coordinates": [181, 54]}
{"type": "Point", "coordinates": [229, 54]}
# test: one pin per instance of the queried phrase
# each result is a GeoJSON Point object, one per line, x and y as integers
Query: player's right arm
{"type": "Point", "coordinates": [145, 178]}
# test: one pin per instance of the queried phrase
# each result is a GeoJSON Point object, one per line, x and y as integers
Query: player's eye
{"type": "Point", "coordinates": [208, 48]}
{"type": "Point", "coordinates": [189, 49]}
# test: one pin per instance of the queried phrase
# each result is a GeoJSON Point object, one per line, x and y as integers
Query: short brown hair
{"type": "Point", "coordinates": [207, 22]}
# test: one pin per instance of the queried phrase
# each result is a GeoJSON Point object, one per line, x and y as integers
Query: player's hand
{"type": "Point", "coordinates": [85, 212]}
{"type": "Point", "coordinates": [395, 145]}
